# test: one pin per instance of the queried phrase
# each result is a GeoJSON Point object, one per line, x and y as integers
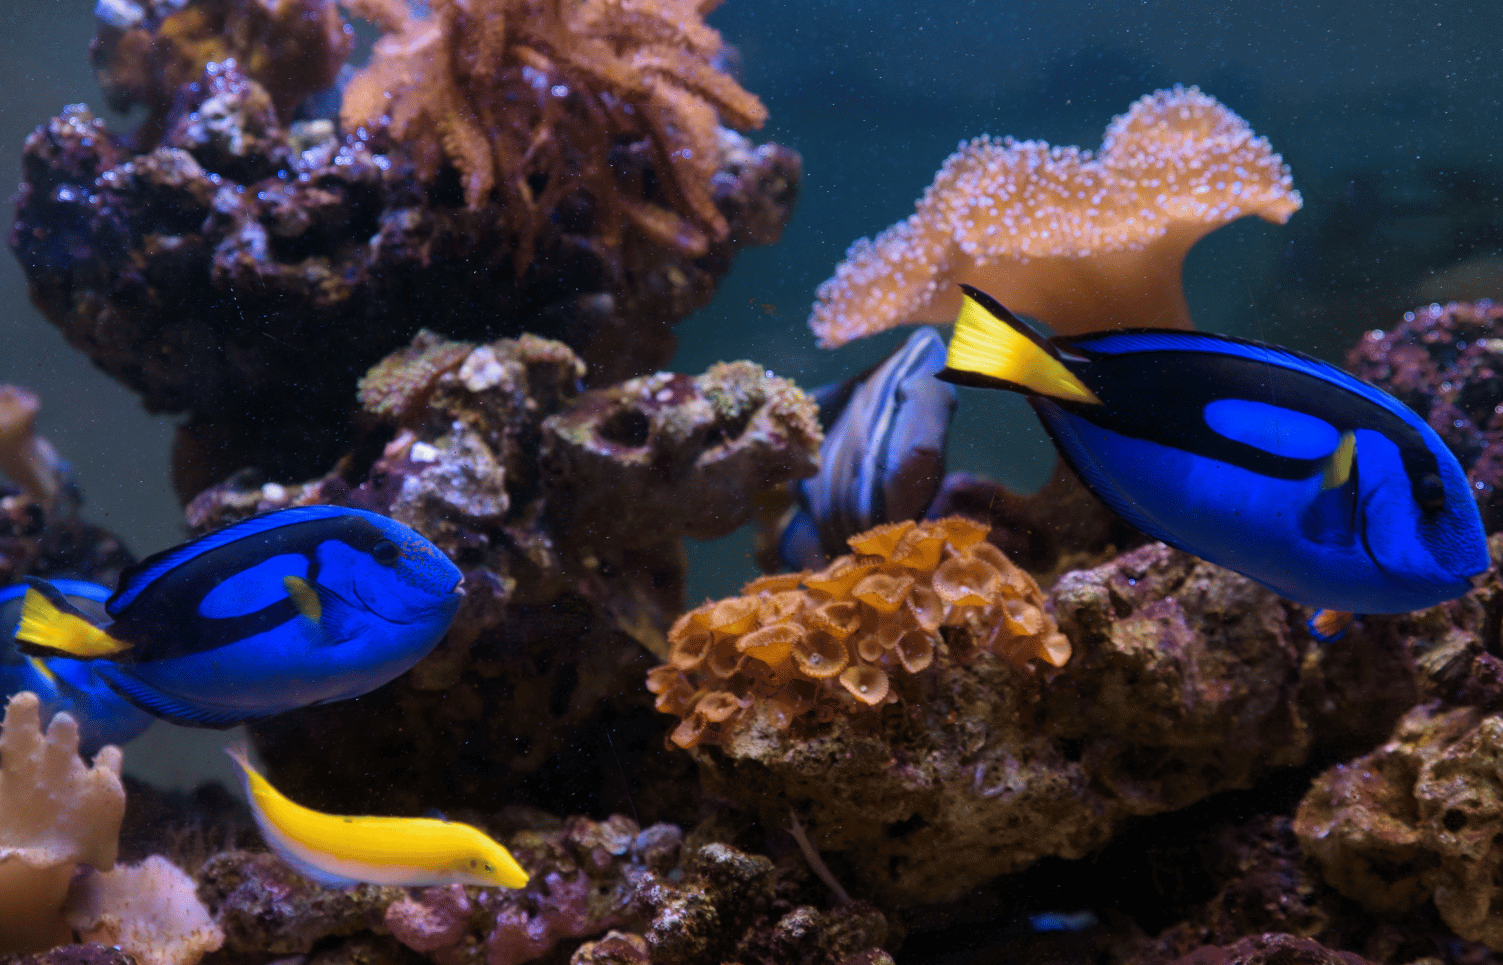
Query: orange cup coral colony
{"type": "Point", "coordinates": [909, 594]}
{"type": "Point", "coordinates": [1083, 242]}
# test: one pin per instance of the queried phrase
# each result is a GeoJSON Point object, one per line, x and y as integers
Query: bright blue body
{"type": "Point", "coordinates": [217, 638]}
{"type": "Point", "coordinates": [883, 457]}
{"type": "Point", "coordinates": [1220, 446]}
{"type": "Point", "coordinates": [67, 685]}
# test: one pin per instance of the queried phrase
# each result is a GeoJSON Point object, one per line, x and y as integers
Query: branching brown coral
{"type": "Point", "coordinates": [535, 99]}
{"type": "Point", "coordinates": [835, 643]}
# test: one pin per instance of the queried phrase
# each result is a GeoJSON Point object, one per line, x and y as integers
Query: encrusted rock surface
{"type": "Point", "coordinates": [1187, 680]}
{"type": "Point", "coordinates": [1419, 818]}
{"type": "Point", "coordinates": [666, 456]}
{"type": "Point", "coordinates": [247, 273]}
{"type": "Point", "coordinates": [670, 904]}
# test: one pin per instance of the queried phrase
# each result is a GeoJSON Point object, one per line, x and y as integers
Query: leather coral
{"type": "Point", "coordinates": [1082, 241]}
{"type": "Point", "coordinates": [841, 638]}
{"type": "Point", "coordinates": [535, 98]}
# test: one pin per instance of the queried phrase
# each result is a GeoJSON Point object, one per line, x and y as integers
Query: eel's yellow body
{"type": "Point", "coordinates": [337, 850]}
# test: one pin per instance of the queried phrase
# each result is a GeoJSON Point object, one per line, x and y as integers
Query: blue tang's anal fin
{"type": "Point", "coordinates": [174, 709]}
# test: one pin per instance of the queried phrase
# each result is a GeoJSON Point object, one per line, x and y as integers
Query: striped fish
{"type": "Point", "coordinates": [884, 452]}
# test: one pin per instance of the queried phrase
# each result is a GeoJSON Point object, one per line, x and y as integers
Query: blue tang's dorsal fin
{"type": "Point", "coordinates": [136, 579]}
{"type": "Point", "coordinates": [1126, 341]}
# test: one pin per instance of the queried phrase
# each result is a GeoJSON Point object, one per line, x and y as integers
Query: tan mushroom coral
{"type": "Point", "coordinates": [1081, 241]}
{"type": "Point", "coordinates": [910, 595]}
{"type": "Point", "coordinates": [55, 813]}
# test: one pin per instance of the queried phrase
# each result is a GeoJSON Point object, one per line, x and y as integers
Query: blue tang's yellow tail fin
{"type": "Point", "coordinates": [992, 348]}
{"type": "Point", "coordinates": [56, 628]}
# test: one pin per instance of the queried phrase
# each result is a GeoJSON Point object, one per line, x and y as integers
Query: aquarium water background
{"type": "Point", "coordinates": [1388, 114]}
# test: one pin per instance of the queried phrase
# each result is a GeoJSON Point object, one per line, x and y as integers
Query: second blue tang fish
{"type": "Point", "coordinates": [64, 685]}
{"type": "Point", "coordinates": [883, 457]}
{"type": "Point", "coordinates": [298, 607]}
{"type": "Point", "coordinates": [1322, 488]}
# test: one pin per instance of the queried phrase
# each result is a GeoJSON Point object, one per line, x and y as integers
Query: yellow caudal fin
{"type": "Point", "coordinates": [992, 348]}
{"type": "Point", "coordinates": [46, 627]}
{"type": "Point", "coordinates": [1339, 466]}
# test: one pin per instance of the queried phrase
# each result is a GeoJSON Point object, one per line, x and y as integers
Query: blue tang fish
{"type": "Point", "coordinates": [64, 685]}
{"type": "Point", "coordinates": [884, 452]}
{"type": "Point", "coordinates": [1268, 462]}
{"type": "Point", "coordinates": [298, 607]}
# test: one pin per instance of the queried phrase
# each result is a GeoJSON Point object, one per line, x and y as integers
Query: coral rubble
{"type": "Point", "coordinates": [543, 497]}
{"type": "Point", "coordinates": [56, 813]}
{"type": "Point", "coordinates": [1446, 363]}
{"type": "Point", "coordinates": [247, 272]}
{"type": "Point", "coordinates": [1081, 241]}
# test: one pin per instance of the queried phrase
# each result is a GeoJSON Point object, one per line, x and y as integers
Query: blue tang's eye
{"type": "Point", "coordinates": [1430, 493]}
{"type": "Point", "coordinates": [386, 553]}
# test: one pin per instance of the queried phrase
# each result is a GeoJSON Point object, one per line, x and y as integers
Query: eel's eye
{"type": "Point", "coordinates": [1430, 492]}
{"type": "Point", "coordinates": [386, 552]}
{"type": "Point", "coordinates": [490, 867]}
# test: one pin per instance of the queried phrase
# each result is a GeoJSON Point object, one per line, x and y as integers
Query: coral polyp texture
{"type": "Point", "coordinates": [1446, 363]}
{"type": "Point", "coordinates": [1082, 241]}
{"type": "Point", "coordinates": [617, 90]}
{"type": "Point", "coordinates": [841, 640]}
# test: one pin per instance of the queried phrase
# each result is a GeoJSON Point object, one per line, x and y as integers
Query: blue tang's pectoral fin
{"type": "Point", "coordinates": [1328, 625]}
{"type": "Point", "coordinates": [1333, 516]}
{"type": "Point", "coordinates": [326, 609]}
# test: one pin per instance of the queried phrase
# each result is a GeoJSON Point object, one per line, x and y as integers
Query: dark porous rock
{"type": "Point", "coordinates": [668, 456]}
{"type": "Point", "coordinates": [246, 273]}
{"type": "Point", "coordinates": [84, 954]}
{"type": "Point", "coordinates": [264, 906]}
{"type": "Point", "coordinates": [1419, 819]}
{"type": "Point", "coordinates": [1272, 949]}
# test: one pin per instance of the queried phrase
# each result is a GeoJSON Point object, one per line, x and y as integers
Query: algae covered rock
{"type": "Point", "coordinates": [1185, 681]}
{"type": "Point", "coordinates": [1419, 818]}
